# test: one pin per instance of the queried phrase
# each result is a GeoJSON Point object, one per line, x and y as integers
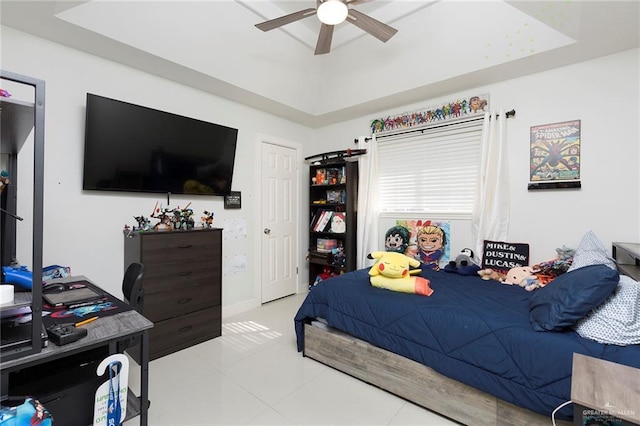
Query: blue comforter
{"type": "Point", "coordinates": [471, 330]}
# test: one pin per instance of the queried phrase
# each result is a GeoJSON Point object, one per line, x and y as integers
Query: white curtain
{"type": "Point", "coordinates": [367, 235]}
{"type": "Point", "coordinates": [490, 215]}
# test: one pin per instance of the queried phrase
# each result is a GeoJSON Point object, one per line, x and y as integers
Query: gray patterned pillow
{"type": "Point", "coordinates": [591, 251]}
{"type": "Point", "coordinates": [617, 320]}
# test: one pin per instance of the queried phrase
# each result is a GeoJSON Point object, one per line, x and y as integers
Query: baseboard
{"type": "Point", "coordinates": [239, 308]}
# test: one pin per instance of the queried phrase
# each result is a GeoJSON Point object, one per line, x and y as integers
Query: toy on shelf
{"type": "Point", "coordinates": [326, 273]}
{"type": "Point", "coordinates": [185, 218]}
{"type": "Point", "coordinates": [207, 219]}
{"type": "Point", "coordinates": [168, 219]}
{"type": "Point", "coordinates": [164, 216]}
{"type": "Point", "coordinates": [4, 180]}
{"type": "Point", "coordinates": [144, 223]}
{"type": "Point", "coordinates": [339, 259]}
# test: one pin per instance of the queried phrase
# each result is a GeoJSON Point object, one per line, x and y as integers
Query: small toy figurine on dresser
{"type": "Point", "coordinates": [164, 216]}
{"type": "Point", "coordinates": [185, 218]}
{"type": "Point", "coordinates": [144, 223]}
{"type": "Point", "coordinates": [4, 180]}
{"type": "Point", "coordinates": [207, 219]}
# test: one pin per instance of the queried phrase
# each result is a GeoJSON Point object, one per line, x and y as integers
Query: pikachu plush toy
{"type": "Point", "coordinates": [391, 271]}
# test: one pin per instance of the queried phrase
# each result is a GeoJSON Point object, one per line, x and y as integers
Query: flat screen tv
{"type": "Point", "coordinates": [133, 148]}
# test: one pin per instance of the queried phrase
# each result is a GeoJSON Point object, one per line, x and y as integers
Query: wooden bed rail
{"type": "Point", "coordinates": [415, 382]}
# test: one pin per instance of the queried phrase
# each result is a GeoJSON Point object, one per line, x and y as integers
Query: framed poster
{"type": "Point", "coordinates": [233, 200]}
{"type": "Point", "coordinates": [555, 153]}
{"type": "Point", "coordinates": [424, 240]}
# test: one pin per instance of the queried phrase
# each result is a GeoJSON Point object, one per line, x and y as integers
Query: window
{"type": "Point", "coordinates": [430, 170]}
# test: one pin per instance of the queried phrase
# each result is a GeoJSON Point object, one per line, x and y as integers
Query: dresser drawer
{"type": "Point", "coordinates": [179, 333]}
{"type": "Point", "coordinates": [180, 246]}
{"type": "Point", "coordinates": [174, 277]}
{"type": "Point", "coordinates": [169, 304]}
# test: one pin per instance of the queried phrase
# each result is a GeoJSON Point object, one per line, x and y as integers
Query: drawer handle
{"type": "Point", "coordinates": [185, 300]}
{"type": "Point", "coordinates": [184, 273]}
{"type": "Point", "coordinates": [185, 246]}
{"type": "Point", "coordinates": [185, 328]}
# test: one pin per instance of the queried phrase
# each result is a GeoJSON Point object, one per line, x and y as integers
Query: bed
{"type": "Point", "coordinates": [468, 351]}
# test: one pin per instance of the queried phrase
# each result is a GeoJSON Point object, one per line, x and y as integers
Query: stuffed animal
{"type": "Point", "coordinates": [326, 273]}
{"type": "Point", "coordinates": [489, 274]}
{"type": "Point", "coordinates": [548, 271]}
{"type": "Point", "coordinates": [565, 253]}
{"type": "Point", "coordinates": [391, 271]}
{"type": "Point", "coordinates": [523, 276]}
{"type": "Point", "coordinates": [463, 264]}
{"type": "Point", "coordinates": [396, 239]}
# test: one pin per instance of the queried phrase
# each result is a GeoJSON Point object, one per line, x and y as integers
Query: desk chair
{"type": "Point", "coordinates": [134, 296]}
{"type": "Point", "coordinates": [132, 286]}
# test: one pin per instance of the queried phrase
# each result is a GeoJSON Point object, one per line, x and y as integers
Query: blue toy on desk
{"type": "Point", "coordinates": [22, 276]}
{"type": "Point", "coordinates": [18, 275]}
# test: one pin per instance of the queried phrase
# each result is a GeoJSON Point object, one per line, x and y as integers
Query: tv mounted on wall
{"type": "Point", "coordinates": [132, 148]}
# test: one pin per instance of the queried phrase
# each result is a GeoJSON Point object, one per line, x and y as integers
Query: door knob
{"type": "Point", "coordinates": [267, 231]}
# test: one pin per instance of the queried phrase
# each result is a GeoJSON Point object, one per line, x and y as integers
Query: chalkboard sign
{"type": "Point", "coordinates": [233, 200]}
{"type": "Point", "coordinates": [502, 256]}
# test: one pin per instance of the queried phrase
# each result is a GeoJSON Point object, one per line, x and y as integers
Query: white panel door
{"type": "Point", "coordinates": [279, 221]}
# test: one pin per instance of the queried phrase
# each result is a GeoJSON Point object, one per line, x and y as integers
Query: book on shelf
{"type": "Point", "coordinates": [316, 219]}
{"type": "Point", "coordinates": [323, 221]}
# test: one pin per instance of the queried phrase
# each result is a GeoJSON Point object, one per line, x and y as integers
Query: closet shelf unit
{"type": "Point", "coordinates": [333, 198]}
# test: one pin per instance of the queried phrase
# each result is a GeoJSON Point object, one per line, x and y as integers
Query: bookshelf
{"type": "Point", "coordinates": [333, 198]}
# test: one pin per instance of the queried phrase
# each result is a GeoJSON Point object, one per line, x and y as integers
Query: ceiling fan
{"type": "Point", "coordinates": [332, 13]}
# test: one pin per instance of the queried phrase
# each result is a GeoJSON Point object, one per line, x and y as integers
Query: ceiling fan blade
{"type": "Point", "coordinates": [356, 2]}
{"type": "Point", "coordinates": [286, 19]}
{"type": "Point", "coordinates": [382, 32]}
{"type": "Point", "coordinates": [324, 39]}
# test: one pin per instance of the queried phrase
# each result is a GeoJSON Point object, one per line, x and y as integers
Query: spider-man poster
{"type": "Point", "coordinates": [555, 151]}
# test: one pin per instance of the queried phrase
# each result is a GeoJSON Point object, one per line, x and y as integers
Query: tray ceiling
{"type": "Point", "coordinates": [442, 47]}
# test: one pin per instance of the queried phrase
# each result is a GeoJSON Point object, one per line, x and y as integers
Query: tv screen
{"type": "Point", "coordinates": [138, 149]}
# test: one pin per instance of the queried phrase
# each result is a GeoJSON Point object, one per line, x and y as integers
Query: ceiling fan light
{"type": "Point", "coordinates": [332, 12]}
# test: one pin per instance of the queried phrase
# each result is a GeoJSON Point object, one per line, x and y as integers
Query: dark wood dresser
{"type": "Point", "coordinates": [182, 286]}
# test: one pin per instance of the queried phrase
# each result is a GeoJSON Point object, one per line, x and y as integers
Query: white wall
{"type": "Point", "coordinates": [604, 95]}
{"type": "Point", "coordinates": [83, 229]}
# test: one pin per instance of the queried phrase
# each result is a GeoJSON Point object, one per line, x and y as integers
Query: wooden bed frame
{"type": "Point", "coordinates": [413, 381]}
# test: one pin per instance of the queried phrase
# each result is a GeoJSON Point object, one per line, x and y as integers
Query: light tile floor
{"type": "Point", "coordinates": [253, 375]}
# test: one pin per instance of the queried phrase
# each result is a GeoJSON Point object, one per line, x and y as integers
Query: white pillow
{"type": "Point", "coordinates": [591, 251]}
{"type": "Point", "coordinates": [617, 320]}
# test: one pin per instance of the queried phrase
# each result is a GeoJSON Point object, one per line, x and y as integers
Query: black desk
{"type": "Point", "coordinates": [107, 331]}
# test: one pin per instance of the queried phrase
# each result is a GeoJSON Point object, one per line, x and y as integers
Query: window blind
{"type": "Point", "coordinates": [433, 170]}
